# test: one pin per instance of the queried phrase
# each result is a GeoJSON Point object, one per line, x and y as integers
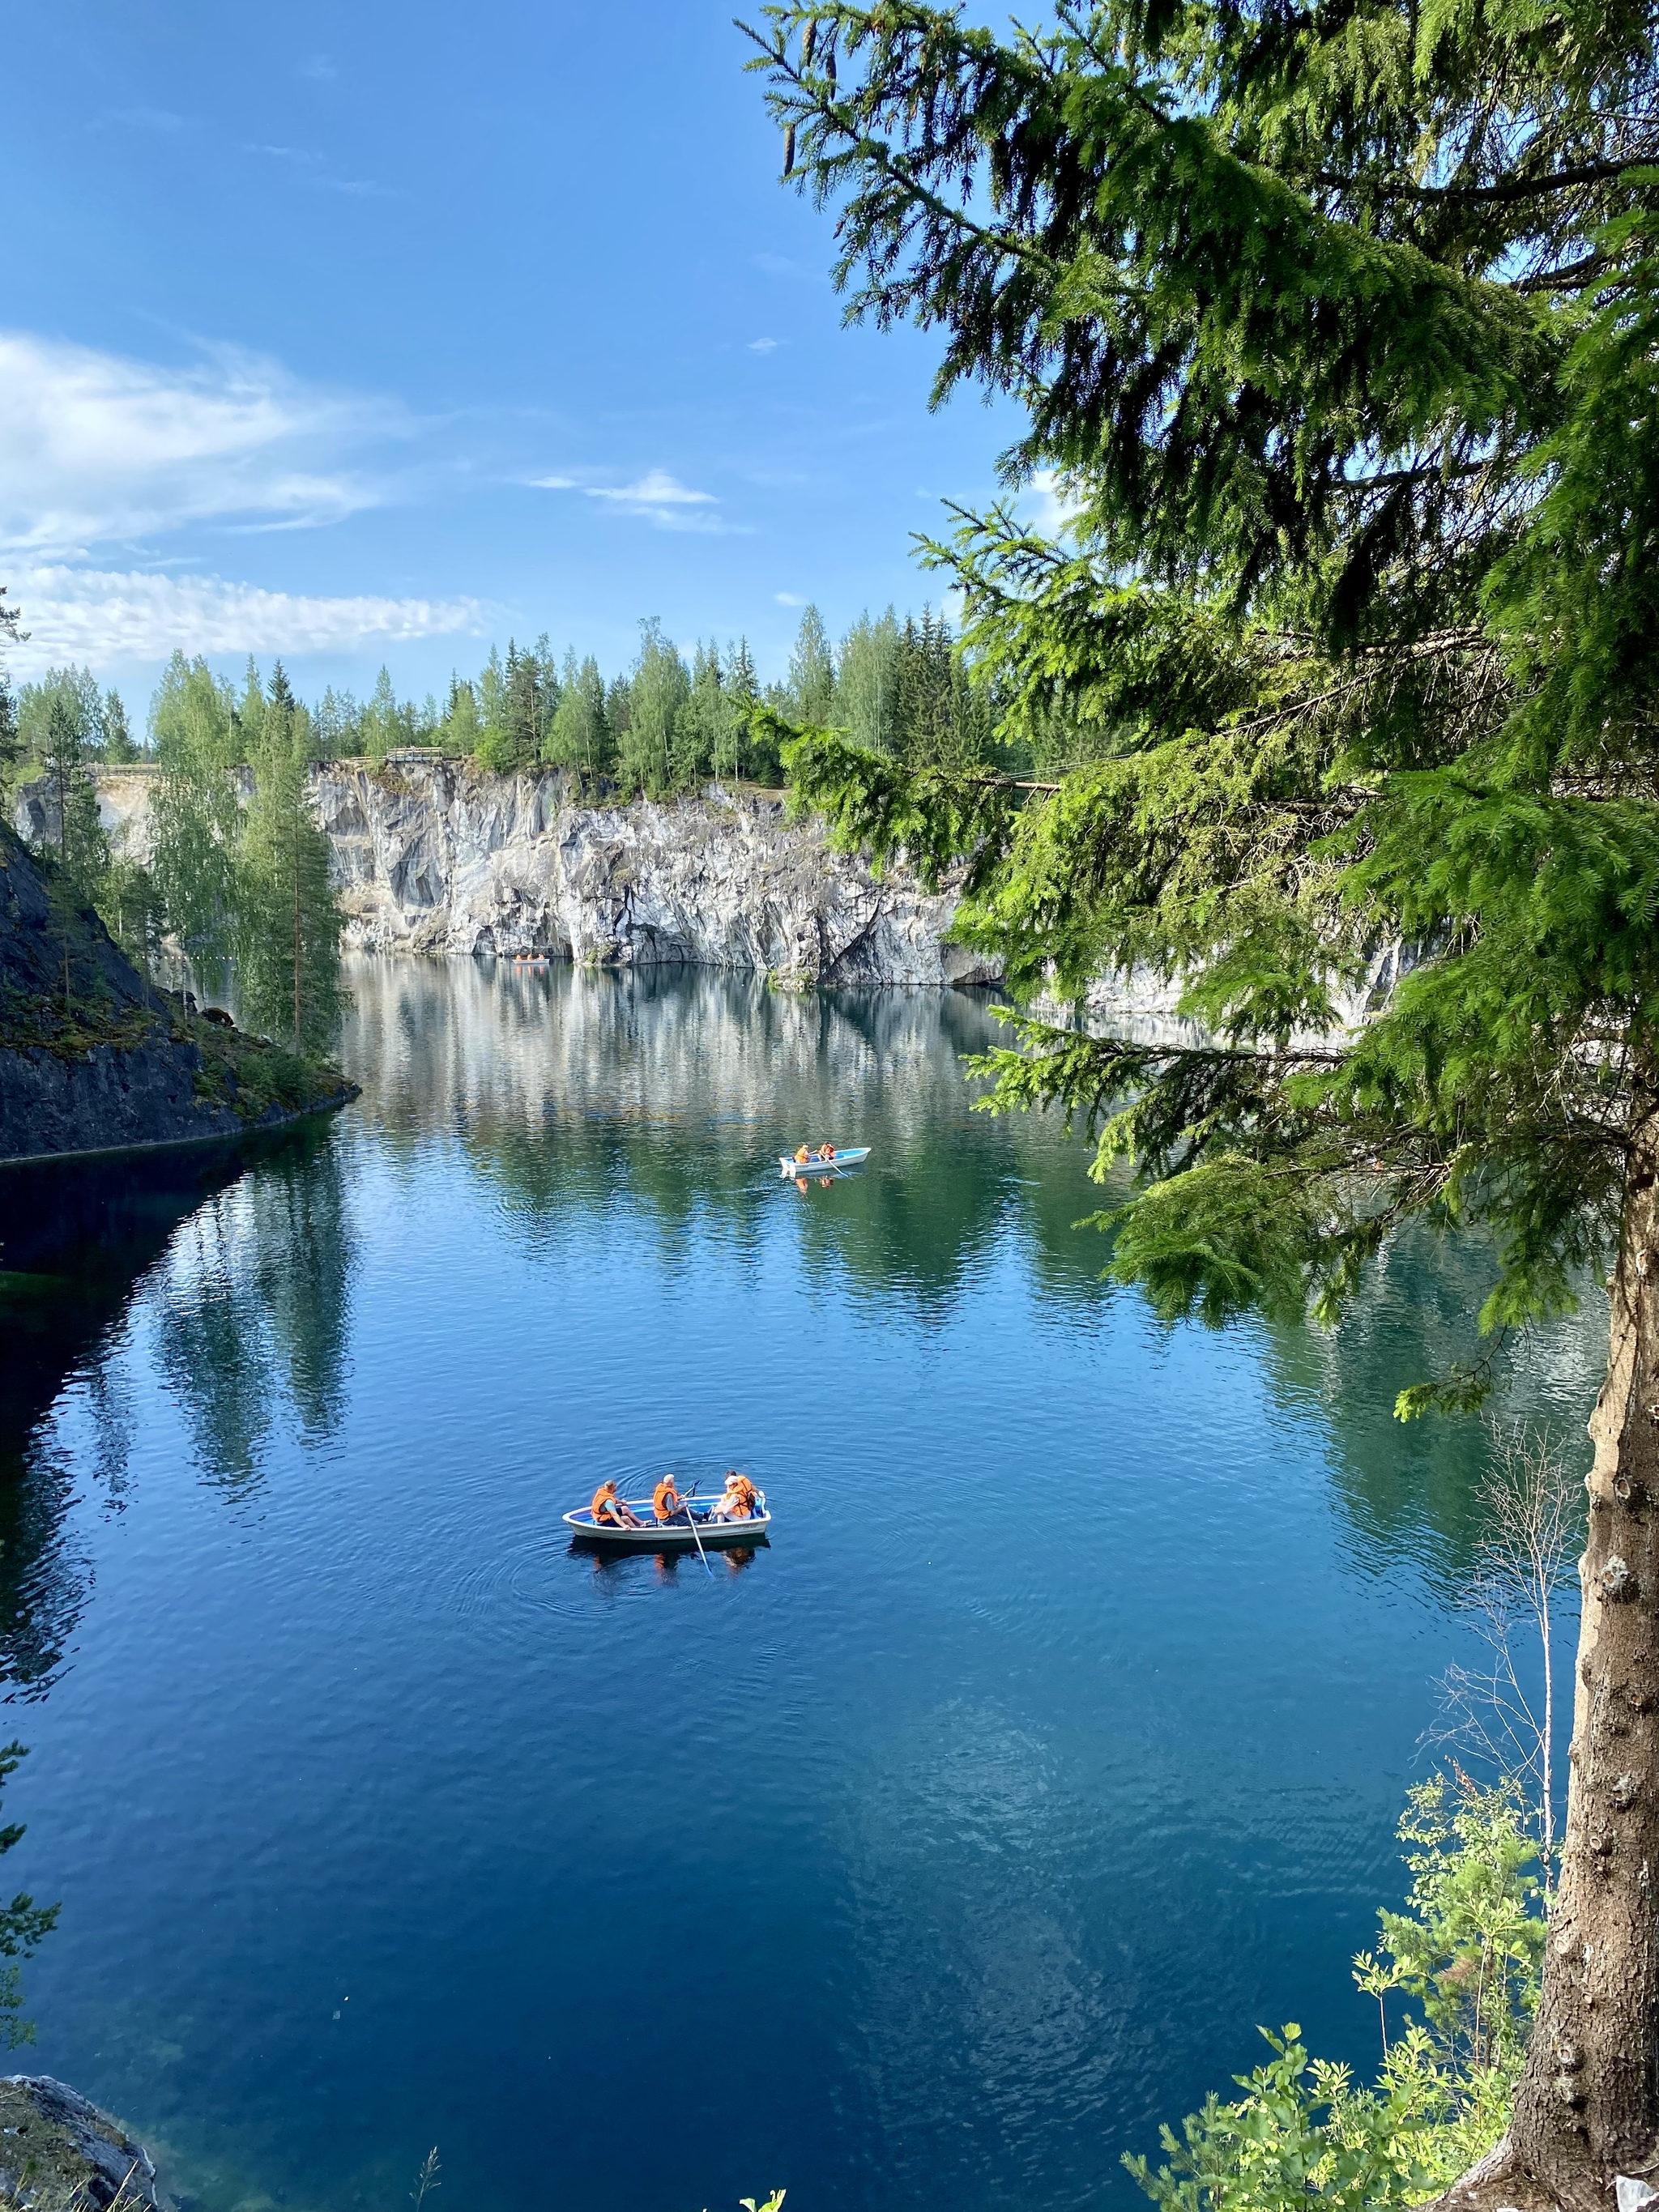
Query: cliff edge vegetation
{"type": "Point", "coordinates": [94, 1056]}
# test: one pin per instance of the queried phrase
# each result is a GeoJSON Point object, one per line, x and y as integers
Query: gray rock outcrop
{"type": "Point", "coordinates": [94, 1058]}
{"type": "Point", "coordinates": [57, 2150]}
{"type": "Point", "coordinates": [435, 857]}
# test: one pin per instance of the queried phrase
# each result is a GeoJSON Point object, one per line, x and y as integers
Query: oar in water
{"type": "Point", "coordinates": [692, 1518]}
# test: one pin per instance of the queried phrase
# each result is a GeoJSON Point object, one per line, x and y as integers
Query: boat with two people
{"type": "Point", "coordinates": [666, 1520]}
{"type": "Point", "coordinates": [823, 1159]}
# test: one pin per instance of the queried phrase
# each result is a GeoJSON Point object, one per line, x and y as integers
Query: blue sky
{"type": "Point", "coordinates": [371, 333]}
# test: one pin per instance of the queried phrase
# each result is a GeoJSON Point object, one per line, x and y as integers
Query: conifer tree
{"type": "Point", "coordinates": [196, 819]}
{"type": "Point", "coordinates": [812, 672]}
{"type": "Point", "coordinates": [1339, 329]}
{"type": "Point", "coordinates": [288, 920]}
{"type": "Point", "coordinates": [658, 689]}
{"type": "Point", "coordinates": [118, 745]}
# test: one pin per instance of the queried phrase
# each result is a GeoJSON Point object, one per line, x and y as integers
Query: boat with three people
{"type": "Point", "coordinates": [647, 1533]}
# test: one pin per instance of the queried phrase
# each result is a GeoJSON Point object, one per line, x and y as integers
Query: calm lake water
{"type": "Point", "coordinates": [933, 1854]}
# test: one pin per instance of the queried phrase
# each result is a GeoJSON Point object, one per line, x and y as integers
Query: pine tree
{"type": "Point", "coordinates": [119, 746]}
{"type": "Point", "coordinates": [579, 736]}
{"type": "Point", "coordinates": [812, 672]}
{"type": "Point", "coordinates": [288, 918]}
{"type": "Point", "coordinates": [1341, 328]}
{"type": "Point", "coordinates": [658, 689]}
{"type": "Point", "coordinates": [866, 682]}
{"type": "Point", "coordinates": [196, 819]}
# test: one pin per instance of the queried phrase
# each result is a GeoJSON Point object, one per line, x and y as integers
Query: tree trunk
{"type": "Point", "coordinates": [1588, 2108]}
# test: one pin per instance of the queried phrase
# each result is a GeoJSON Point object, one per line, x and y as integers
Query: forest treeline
{"type": "Point", "coordinates": [663, 725]}
{"type": "Point", "coordinates": [236, 879]}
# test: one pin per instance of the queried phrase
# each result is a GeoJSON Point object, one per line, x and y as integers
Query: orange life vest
{"type": "Point", "coordinates": [741, 1495]}
{"type": "Point", "coordinates": [803, 1154]}
{"type": "Point", "coordinates": [665, 1500]}
{"type": "Point", "coordinates": [604, 1507]}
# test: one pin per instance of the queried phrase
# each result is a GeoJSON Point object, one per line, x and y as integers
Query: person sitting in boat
{"type": "Point", "coordinates": [609, 1509]}
{"type": "Point", "coordinates": [737, 1500]}
{"type": "Point", "coordinates": [667, 1503]}
{"type": "Point", "coordinates": [803, 1156]}
{"type": "Point", "coordinates": [826, 1152]}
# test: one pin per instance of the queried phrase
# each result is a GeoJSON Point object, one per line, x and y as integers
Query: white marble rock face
{"type": "Point", "coordinates": [434, 857]}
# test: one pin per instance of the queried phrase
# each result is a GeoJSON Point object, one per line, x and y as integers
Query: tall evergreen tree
{"type": "Point", "coordinates": [866, 682]}
{"type": "Point", "coordinates": [579, 737]}
{"type": "Point", "coordinates": [1340, 326]}
{"type": "Point", "coordinates": [77, 836]}
{"type": "Point", "coordinates": [119, 747]}
{"type": "Point", "coordinates": [658, 689]}
{"type": "Point", "coordinates": [812, 672]}
{"type": "Point", "coordinates": [195, 815]}
{"type": "Point", "coordinates": [288, 918]}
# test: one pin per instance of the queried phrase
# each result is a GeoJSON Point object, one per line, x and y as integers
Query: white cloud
{"type": "Point", "coordinates": [1052, 505]}
{"type": "Point", "coordinates": [657, 497]}
{"type": "Point", "coordinates": [319, 69]}
{"type": "Point", "coordinates": [655, 488]}
{"type": "Point", "coordinates": [765, 345]}
{"type": "Point", "coordinates": [105, 616]}
{"type": "Point", "coordinates": [788, 599]}
{"type": "Point", "coordinates": [97, 446]}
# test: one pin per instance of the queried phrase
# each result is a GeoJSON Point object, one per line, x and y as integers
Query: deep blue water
{"type": "Point", "coordinates": [934, 1854]}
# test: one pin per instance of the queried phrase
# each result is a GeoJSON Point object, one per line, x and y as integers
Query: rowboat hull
{"type": "Point", "coordinates": [675, 1536]}
{"type": "Point", "coordinates": [853, 1157]}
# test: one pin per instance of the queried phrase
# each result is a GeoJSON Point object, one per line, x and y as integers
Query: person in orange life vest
{"type": "Point", "coordinates": [826, 1152]}
{"type": "Point", "coordinates": [803, 1156]}
{"type": "Point", "coordinates": [611, 1511]}
{"type": "Point", "coordinates": [667, 1503]}
{"type": "Point", "coordinates": [739, 1500]}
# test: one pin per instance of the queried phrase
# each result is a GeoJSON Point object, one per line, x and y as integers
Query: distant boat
{"type": "Point", "coordinates": [851, 1157]}
{"type": "Point", "coordinates": [667, 1536]}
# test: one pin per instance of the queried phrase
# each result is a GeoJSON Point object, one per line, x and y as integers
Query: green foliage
{"type": "Point", "coordinates": [1468, 1950]}
{"type": "Point", "coordinates": [1338, 335]}
{"type": "Point", "coordinates": [22, 1925]}
{"type": "Point", "coordinates": [288, 921]}
{"type": "Point", "coordinates": [196, 823]}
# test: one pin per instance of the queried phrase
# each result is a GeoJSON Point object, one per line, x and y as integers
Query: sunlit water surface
{"type": "Point", "coordinates": [931, 1855]}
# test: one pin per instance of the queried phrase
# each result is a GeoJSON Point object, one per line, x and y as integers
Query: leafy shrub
{"type": "Point", "coordinates": [1466, 1954]}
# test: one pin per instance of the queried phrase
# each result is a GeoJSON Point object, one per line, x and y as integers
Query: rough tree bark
{"type": "Point", "coordinates": [1588, 2108]}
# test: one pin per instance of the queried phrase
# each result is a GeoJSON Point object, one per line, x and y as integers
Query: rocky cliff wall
{"type": "Point", "coordinates": [435, 857]}
{"type": "Point", "coordinates": [93, 1057]}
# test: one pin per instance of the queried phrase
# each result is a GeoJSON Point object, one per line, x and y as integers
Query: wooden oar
{"type": "Point", "coordinates": [692, 1518]}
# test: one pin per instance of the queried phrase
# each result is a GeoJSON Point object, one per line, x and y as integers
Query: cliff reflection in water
{"type": "Point", "coordinates": [682, 1086]}
{"type": "Point", "coordinates": [250, 1252]}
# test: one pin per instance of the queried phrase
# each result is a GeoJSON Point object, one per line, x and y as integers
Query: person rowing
{"type": "Point", "coordinates": [667, 1503]}
{"type": "Point", "coordinates": [609, 1509]}
{"type": "Point", "coordinates": [826, 1152]}
{"type": "Point", "coordinates": [804, 1156]}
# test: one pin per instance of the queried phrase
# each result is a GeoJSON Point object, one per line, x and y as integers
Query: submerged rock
{"type": "Point", "coordinates": [56, 2149]}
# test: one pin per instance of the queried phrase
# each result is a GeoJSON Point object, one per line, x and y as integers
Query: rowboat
{"type": "Point", "coordinates": [851, 1157]}
{"type": "Point", "coordinates": [670, 1535]}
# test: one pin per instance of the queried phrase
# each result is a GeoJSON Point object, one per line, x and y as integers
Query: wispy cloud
{"type": "Point", "coordinates": [96, 447]}
{"type": "Point", "coordinates": [656, 497]}
{"type": "Point", "coordinates": [788, 599]}
{"type": "Point", "coordinates": [1052, 504]}
{"type": "Point", "coordinates": [145, 118]}
{"type": "Point", "coordinates": [106, 617]}
{"type": "Point", "coordinates": [765, 345]}
{"type": "Point", "coordinates": [319, 69]}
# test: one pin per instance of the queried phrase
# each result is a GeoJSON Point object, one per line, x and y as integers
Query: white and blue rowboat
{"type": "Point", "coordinates": [668, 1535]}
{"type": "Point", "coordinates": [851, 1157]}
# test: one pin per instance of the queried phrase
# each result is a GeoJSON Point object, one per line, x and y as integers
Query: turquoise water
{"type": "Point", "coordinates": [937, 1850]}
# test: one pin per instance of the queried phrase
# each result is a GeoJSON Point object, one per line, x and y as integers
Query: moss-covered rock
{"type": "Point", "coordinates": [95, 1057]}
